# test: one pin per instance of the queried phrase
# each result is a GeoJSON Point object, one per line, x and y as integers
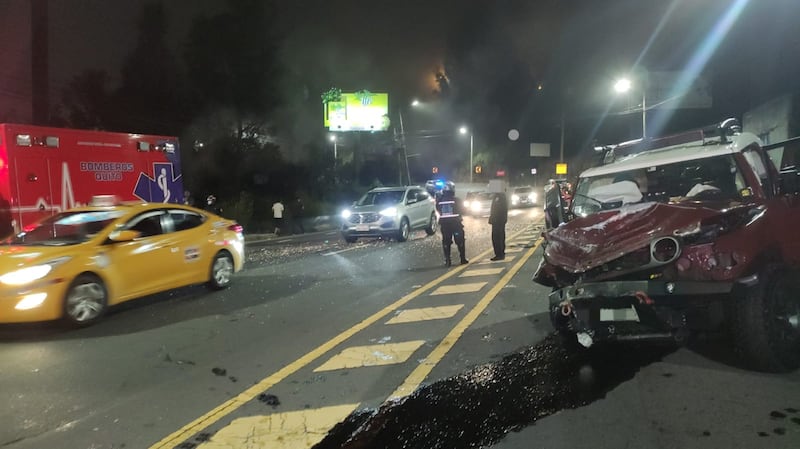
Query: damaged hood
{"type": "Point", "coordinates": [587, 242]}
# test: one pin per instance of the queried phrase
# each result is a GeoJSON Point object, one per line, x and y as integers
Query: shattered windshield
{"type": "Point", "coordinates": [68, 228]}
{"type": "Point", "coordinates": [708, 179]}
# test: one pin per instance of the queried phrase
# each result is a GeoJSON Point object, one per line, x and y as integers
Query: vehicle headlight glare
{"type": "Point", "coordinates": [26, 275]}
{"type": "Point", "coordinates": [389, 212]}
{"type": "Point", "coordinates": [515, 198]}
{"type": "Point", "coordinates": [346, 214]}
{"type": "Point", "coordinates": [532, 197]}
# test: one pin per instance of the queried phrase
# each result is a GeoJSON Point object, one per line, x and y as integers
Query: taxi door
{"type": "Point", "coordinates": [146, 264]}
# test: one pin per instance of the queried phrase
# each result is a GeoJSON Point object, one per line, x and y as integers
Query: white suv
{"type": "Point", "coordinates": [390, 212]}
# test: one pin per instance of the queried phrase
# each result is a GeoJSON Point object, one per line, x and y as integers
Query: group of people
{"type": "Point", "coordinates": [452, 226]}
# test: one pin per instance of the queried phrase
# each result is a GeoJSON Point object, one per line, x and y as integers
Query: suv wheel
{"type": "Point", "coordinates": [405, 230]}
{"type": "Point", "coordinates": [766, 321]}
{"type": "Point", "coordinates": [431, 229]}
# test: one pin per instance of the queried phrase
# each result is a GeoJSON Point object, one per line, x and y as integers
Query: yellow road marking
{"type": "Point", "coordinates": [514, 250]}
{"type": "Point", "coordinates": [372, 355]}
{"type": "Point", "coordinates": [227, 407]}
{"type": "Point", "coordinates": [507, 259]}
{"type": "Point", "coordinates": [414, 380]}
{"type": "Point", "coordinates": [482, 272]}
{"type": "Point", "coordinates": [291, 430]}
{"type": "Point", "coordinates": [249, 394]}
{"type": "Point", "coordinates": [458, 288]}
{"type": "Point", "coordinates": [425, 314]}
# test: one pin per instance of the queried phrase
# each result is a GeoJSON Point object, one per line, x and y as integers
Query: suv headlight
{"type": "Point", "coordinates": [346, 214]}
{"type": "Point", "coordinates": [515, 198]}
{"type": "Point", "coordinates": [389, 212]}
{"type": "Point", "coordinates": [27, 275]}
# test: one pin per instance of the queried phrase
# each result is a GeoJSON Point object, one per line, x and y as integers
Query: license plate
{"type": "Point", "coordinates": [628, 314]}
{"type": "Point", "coordinates": [362, 228]}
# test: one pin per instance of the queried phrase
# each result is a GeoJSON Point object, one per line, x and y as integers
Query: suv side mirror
{"type": "Point", "coordinates": [790, 181]}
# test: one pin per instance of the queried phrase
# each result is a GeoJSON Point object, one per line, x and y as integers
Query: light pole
{"type": "Point", "coordinates": [464, 130]}
{"type": "Point", "coordinates": [335, 155]}
{"type": "Point", "coordinates": [623, 85]}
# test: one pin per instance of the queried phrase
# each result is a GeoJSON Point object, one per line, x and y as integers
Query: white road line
{"type": "Point", "coordinates": [338, 252]}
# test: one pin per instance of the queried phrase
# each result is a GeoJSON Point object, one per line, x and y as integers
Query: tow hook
{"type": "Point", "coordinates": [566, 309]}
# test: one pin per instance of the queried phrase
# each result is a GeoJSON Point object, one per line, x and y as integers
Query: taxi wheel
{"type": "Point", "coordinates": [221, 271]}
{"type": "Point", "coordinates": [86, 300]}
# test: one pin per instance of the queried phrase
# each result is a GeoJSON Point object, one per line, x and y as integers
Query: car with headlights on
{"type": "Point", "coordinates": [390, 212]}
{"type": "Point", "coordinates": [524, 196]}
{"type": "Point", "coordinates": [478, 204]}
{"type": "Point", "coordinates": [76, 264]}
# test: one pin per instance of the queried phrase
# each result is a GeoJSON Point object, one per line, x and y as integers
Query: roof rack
{"type": "Point", "coordinates": [712, 134]}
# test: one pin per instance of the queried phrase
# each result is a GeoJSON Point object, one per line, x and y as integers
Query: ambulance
{"type": "Point", "coordinates": [46, 170]}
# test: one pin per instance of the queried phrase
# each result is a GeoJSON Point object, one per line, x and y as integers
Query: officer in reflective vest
{"type": "Point", "coordinates": [450, 223]}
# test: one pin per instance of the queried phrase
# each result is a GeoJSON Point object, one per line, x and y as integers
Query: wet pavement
{"type": "Point", "coordinates": [478, 407]}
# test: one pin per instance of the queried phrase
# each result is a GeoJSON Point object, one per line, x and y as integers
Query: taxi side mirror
{"type": "Point", "coordinates": [124, 236]}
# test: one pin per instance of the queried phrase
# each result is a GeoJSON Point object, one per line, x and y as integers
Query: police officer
{"type": "Point", "coordinates": [450, 223]}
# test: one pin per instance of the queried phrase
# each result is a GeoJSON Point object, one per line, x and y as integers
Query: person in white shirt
{"type": "Point", "coordinates": [277, 215]}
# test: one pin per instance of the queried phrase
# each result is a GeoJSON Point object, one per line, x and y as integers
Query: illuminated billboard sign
{"type": "Point", "coordinates": [358, 111]}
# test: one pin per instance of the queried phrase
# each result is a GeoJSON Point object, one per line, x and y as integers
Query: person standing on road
{"type": "Point", "coordinates": [451, 224]}
{"type": "Point", "coordinates": [498, 216]}
{"type": "Point", "coordinates": [277, 215]}
{"type": "Point", "coordinates": [298, 213]}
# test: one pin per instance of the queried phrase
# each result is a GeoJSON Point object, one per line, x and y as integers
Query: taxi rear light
{"type": "Point", "coordinates": [236, 227]}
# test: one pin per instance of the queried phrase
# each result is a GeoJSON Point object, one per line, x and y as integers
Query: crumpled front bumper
{"type": "Point", "coordinates": [631, 310]}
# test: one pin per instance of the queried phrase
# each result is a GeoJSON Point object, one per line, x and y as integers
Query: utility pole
{"type": "Point", "coordinates": [403, 144]}
{"type": "Point", "coordinates": [39, 62]}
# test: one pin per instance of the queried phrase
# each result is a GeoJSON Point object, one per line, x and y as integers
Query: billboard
{"type": "Point", "coordinates": [358, 111]}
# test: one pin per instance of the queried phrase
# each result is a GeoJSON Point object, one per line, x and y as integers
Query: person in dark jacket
{"type": "Point", "coordinates": [498, 216]}
{"type": "Point", "coordinates": [450, 224]}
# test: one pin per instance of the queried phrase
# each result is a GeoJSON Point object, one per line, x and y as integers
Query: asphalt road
{"type": "Point", "coordinates": [382, 344]}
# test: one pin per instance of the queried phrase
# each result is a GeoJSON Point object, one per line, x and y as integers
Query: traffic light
{"type": "Point", "coordinates": [478, 169]}
{"type": "Point", "coordinates": [435, 170]}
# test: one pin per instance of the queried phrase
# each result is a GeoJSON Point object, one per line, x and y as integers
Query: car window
{"type": "Point", "coordinates": [67, 228]}
{"type": "Point", "coordinates": [147, 223]}
{"type": "Point", "coordinates": [381, 197]}
{"type": "Point", "coordinates": [184, 219]}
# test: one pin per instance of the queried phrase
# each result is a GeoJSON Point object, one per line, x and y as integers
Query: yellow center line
{"type": "Point", "coordinates": [251, 393]}
{"type": "Point", "coordinates": [414, 380]}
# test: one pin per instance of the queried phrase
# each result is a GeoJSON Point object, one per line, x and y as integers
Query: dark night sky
{"type": "Point", "coordinates": [397, 46]}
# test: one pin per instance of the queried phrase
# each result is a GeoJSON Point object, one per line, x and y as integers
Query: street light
{"type": "Point", "coordinates": [465, 130]}
{"type": "Point", "coordinates": [623, 85]}
{"type": "Point", "coordinates": [335, 155]}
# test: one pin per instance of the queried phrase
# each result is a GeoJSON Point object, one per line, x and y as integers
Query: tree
{"type": "Point", "coordinates": [232, 61]}
{"type": "Point", "coordinates": [86, 101]}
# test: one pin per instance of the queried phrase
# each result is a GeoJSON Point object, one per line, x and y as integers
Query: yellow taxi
{"type": "Point", "coordinates": [76, 264]}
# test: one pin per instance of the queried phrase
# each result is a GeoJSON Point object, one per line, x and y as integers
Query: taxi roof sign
{"type": "Point", "coordinates": [104, 200]}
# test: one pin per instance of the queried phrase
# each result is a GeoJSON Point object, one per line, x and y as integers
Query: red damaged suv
{"type": "Point", "coordinates": [678, 234]}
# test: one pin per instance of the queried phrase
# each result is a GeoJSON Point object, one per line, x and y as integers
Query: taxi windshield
{"type": "Point", "coordinates": [66, 228]}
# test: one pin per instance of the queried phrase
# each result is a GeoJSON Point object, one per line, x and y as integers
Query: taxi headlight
{"type": "Point", "coordinates": [389, 212]}
{"type": "Point", "coordinates": [27, 275]}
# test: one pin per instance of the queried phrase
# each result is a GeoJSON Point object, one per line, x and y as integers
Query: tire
{"type": "Point", "coordinates": [432, 225]}
{"type": "Point", "coordinates": [765, 321]}
{"type": "Point", "coordinates": [86, 300]}
{"type": "Point", "coordinates": [404, 231]}
{"type": "Point", "coordinates": [221, 271]}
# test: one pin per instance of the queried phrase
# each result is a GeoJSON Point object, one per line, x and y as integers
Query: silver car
{"type": "Point", "coordinates": [390, 212]}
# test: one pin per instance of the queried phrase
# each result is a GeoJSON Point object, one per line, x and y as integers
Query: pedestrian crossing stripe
{"type": "Point", "coordinates": [371, 355]}
{"type": "Point", "coordinates": [290, 430]}
{"type": "Point", "coordinates": [458, 288]}
{"type": "Point", "coordinates": [425, 314]}
{"type": "Point", "coordinates": [482, 272]}
{"type": "Point", "coordinates": [514, 250]}
{"type": "Point", "coordinates": [508, 258]}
